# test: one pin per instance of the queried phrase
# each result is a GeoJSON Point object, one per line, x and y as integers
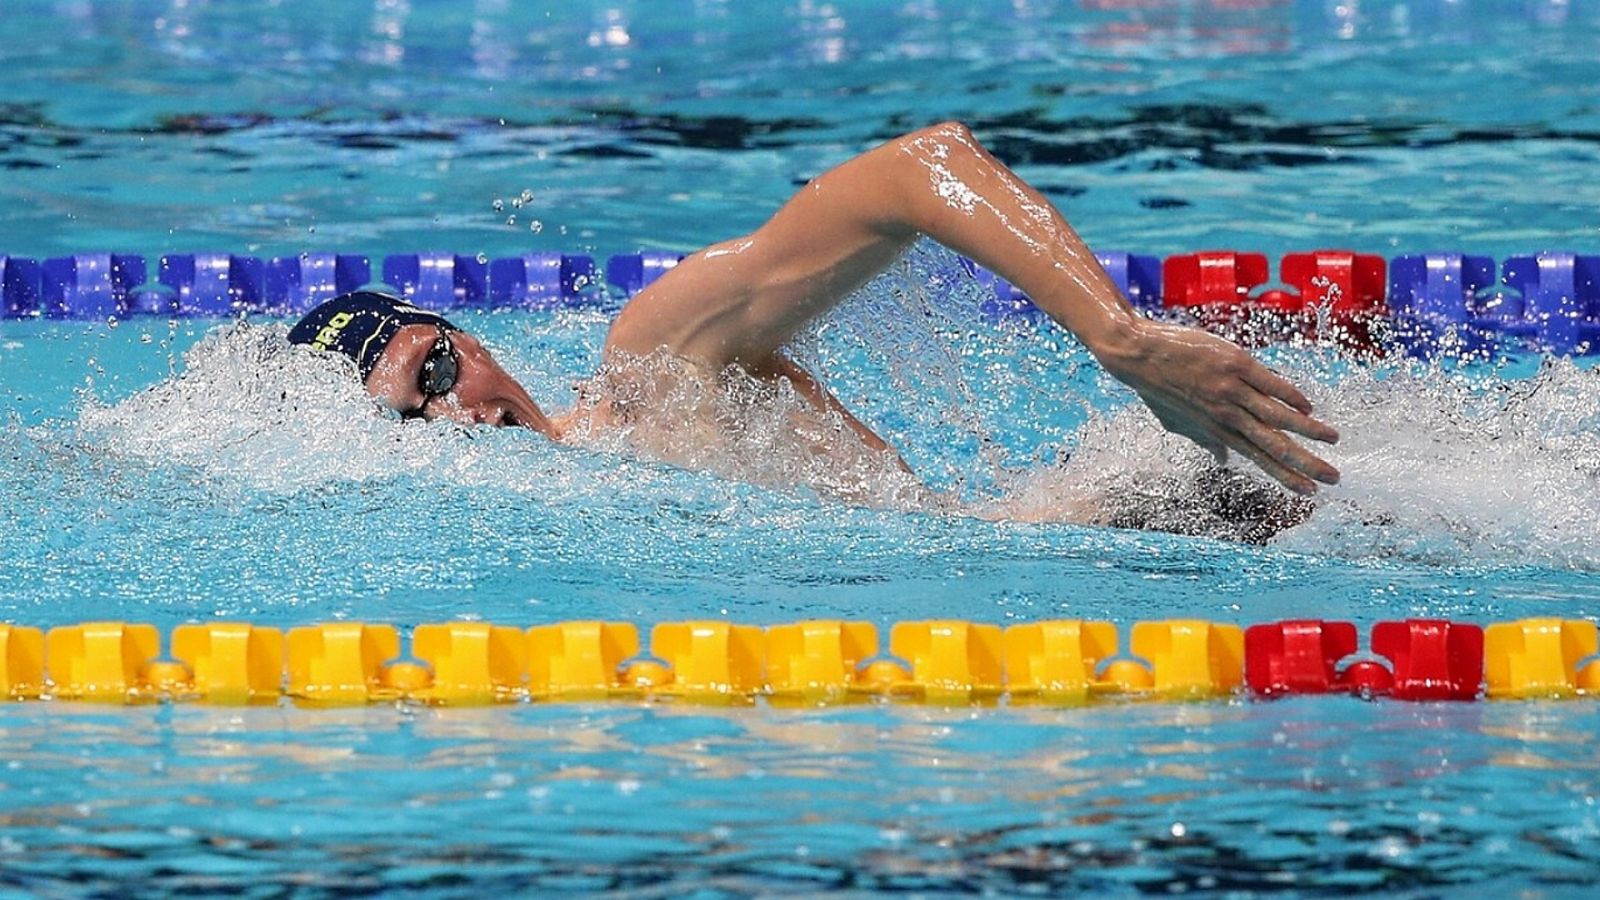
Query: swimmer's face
{"type": "Point", "coordinates": [483, 392]}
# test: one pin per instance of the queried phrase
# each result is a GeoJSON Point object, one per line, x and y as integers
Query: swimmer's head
{"type": "Point", "coordinates": [361, 325]}
{"type": "Point", "coordinates": [419, 363]}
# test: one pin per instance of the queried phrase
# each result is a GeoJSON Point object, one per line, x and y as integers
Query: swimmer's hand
{"type": "Point", "coordinates": [1217, 395]}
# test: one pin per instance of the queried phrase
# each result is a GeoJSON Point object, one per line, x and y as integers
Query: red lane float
{"type": "Point", "coordinates": [1329, 294]}
{"type": "Point", "coordinates": [1428, 659]}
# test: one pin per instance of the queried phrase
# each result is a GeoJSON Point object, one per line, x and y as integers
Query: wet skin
{"type": "Point", "coordinates": [739, 302]}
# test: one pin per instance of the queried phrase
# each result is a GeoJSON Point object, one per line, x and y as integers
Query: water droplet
{"type": "Point", "coordinates": [511, 220]}
{"type": "Point", "coordinates": [536, 226]}
{"type": "Point", "coordinates": [482, 258]}
{"type": "Point", "coordinates": [311, 229]}
{"type": "Point", "coordinates": [1389, 848]}
{"type": "Point", "coordinates": [498, 205]}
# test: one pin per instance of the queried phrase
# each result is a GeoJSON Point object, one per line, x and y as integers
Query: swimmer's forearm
{"type": "Point", "coordinates": [821, 399]}
{"type": "Point", "coordinates": [1196, 384]}
{"type": "Point", "coordinates": [954, 191]}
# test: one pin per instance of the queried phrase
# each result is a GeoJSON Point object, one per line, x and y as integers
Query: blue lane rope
{"type": "Point", "coordinates": [1549, 300]}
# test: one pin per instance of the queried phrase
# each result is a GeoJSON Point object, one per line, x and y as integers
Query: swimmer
{"type": "Point", "coordinates": [736, 304]}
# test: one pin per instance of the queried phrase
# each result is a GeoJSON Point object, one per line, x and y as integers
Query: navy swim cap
{"type": "Point", "coordinates": [360, 325]}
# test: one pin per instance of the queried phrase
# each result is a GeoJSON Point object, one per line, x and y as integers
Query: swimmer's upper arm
{"type": "Point", "coordinates": [779, 365]}
{"type": "Point", "coordinates": [740, 300]}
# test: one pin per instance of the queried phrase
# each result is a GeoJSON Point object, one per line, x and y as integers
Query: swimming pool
{"type": "Point", "coordinates": [245, 491]}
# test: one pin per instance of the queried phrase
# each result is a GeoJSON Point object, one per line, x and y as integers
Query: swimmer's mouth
{"type": "Point", "coordinates": [508, 419]}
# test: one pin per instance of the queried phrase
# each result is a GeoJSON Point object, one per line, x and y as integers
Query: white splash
{"type": "Point", "coordinates": [251, 409]}
{"type": "Point", "coordinates": [1442, 466]}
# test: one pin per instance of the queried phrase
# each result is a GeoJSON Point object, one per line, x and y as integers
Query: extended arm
{"type": "Point", "coordinates": [739, 301]}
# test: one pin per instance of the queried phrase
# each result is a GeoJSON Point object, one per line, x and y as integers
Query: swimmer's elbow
{"type": "Point", "coordinates": [952, 130]}
{"type": "Point", "coordinates": [947, 152]}
{"type": "Point", "coordinates": [946, 139]}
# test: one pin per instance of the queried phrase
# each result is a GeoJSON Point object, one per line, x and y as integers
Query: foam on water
{"type": "Point", "coordinates": [1449, 467]}
{"type": "Point", "coordinates": [1441, 465]}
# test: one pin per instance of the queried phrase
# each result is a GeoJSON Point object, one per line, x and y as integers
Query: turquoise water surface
{"type": "Point", "coordinates": [187, 470]}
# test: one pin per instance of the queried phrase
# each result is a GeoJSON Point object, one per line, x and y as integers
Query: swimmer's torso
{"type": "Point", "coordinates": [743, 426]}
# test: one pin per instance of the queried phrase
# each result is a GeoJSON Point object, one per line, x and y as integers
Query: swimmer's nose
{"type": "Point", "coordinates": [451, 408]}
{"type": "Point", "coordinates": [499, 415]}
{"type": "Point", "coordinates": [487, 414]}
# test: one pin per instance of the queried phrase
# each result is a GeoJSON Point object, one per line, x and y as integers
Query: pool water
{"type": "Point", "coordinates": [182, 470]}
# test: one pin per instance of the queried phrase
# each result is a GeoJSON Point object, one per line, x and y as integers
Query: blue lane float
{"type": "Point", "coordinates": [295, 284]}
{"type": "Point", "coordinates": [1434, 302]}
{"type": "Point", "coordinates": [89, 285]}
{"type": "Point", "coordinates": [631, 273]}
{"type": "Point", "coordinates": [1561, 301]}
{"type": "Point", "coordinates": [1549, 300]}
{"type": "Point", "coordinates": [541, 280]}
{"type": "Point", "coordinates": [1137, 277]}
{"type": "Point", "coordinates": [20, 280]}
{"type": "Point", "coordinates": [438, 281]}
{"type": "Point", "coordinates": [1436, 297]}
{"type": "Point", "coordinates": [213, 284]}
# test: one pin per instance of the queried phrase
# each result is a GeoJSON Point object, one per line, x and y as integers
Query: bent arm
{"type": "Point", "coordinates": [741, 300]}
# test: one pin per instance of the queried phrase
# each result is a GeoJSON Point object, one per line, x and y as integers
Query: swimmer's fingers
{"type": "Point", "coordinates": [1275, 415]}
{"type": "Point", "coordinates": [1280, 389]}
{"type": "Point", "coordinates": [1292, 465]}
{"type": "Point", "coordinates": [1280, 473]}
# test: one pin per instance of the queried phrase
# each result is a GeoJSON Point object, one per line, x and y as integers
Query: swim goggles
{"type": "Point", "coordinates": [438, 374]}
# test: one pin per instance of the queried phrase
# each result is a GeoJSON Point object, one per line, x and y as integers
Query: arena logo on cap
{"type": "Point", "coordinates": [329, 334]}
